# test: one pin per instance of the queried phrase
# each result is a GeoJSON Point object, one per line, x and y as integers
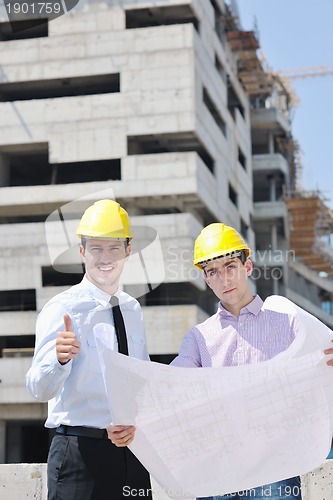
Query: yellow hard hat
{"type": "Point", "coordinates": [217, 240]}
{"type": "Point", "coordinates": [105, 219]}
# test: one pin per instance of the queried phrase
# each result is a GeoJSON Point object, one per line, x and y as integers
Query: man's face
{"type": "Point", "coordinates": [228, 278]}
{"type": "Point", "coordinates": [104, 261]}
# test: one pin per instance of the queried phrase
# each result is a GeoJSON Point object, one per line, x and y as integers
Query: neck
{"type": "Point", "coordinates": [109, 289]}
{"type": "Point", "coordinates": [235, 309]}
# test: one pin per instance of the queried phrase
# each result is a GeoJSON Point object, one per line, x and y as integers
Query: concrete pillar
{"type": "Point", "coordinates": [272, 187]}
{"type": "Point", "coordinates": [271, 143]}
{"type": "Point", "coordinates": [274, 246]}
{"type": "Point", "coordinates": [274, 237]}
{"type": "Point", "coordinates": [2, 441]}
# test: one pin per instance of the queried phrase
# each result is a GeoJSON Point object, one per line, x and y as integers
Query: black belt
{"type": "Point", "coordinates": [89, 432]}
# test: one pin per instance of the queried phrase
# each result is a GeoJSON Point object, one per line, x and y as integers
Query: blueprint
{"type": "Point", "coordinates": [210, 431]}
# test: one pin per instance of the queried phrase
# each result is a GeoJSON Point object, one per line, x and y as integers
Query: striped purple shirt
{"type": "Point", "coordinates": [257, 335]}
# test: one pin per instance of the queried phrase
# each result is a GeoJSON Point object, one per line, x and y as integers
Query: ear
{"type": "Point", "coordinates": [128, 250]}
{"type": "Point", "coordinates": [249, 267]}
{"type": "Point", "coordinates": [206, 279]}
{"type": "Point", "coordinates": [82, 252]}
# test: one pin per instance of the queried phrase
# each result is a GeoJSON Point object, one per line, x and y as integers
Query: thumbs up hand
{"type": "Point", "coordinates": [67, 345]}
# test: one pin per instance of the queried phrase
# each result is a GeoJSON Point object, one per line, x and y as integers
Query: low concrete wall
{"type": "Point", "coordinates": [23, 481]}
{"type": "Point", "coordinates": [28, 481]}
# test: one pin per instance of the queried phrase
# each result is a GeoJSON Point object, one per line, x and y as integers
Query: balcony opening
{"type": "Point", "coordinates": [32, 168]}
{"type": "Point", "coordinates": [169, 143]}
{"type": "Point", "coordinates": [159, 16]}
{"type": "Point", "coordinates": [18, 300]}
{"type": "Point", "coordinates": [20, 30]}
{"type": "Point", "coordinates": [241, 158]}
{"type": "Point", "coordinates": [62, 277]}
{"type": "Point", "coordinates": [233, 197]}
{"type": "Point", "coordinates": [59, 87]}
{"type": "Point", "coordinates": [214, 111]}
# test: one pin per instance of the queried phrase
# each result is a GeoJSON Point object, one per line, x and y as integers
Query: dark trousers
{"type": "Point", "coordinates": [83, 468]}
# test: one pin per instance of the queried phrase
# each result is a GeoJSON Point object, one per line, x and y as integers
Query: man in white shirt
{"type": "Point", "coordinates": [88, 457]}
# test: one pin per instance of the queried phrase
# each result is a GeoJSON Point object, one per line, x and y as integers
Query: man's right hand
{"type": "Point", "coordinates": [67, 346]}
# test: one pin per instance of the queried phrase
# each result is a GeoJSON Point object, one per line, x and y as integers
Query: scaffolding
{"type": "Point", "coordinates": [311, 228]}
{"type": "Point", "coordinates": [244, 44]}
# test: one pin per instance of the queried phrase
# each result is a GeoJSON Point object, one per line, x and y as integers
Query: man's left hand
{"type": "Point", "coordinates": [122, 435]}
{"type": "Point", "coordinates": [329, 352]}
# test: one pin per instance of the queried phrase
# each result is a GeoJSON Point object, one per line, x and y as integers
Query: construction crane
{"type": "Point", "coordinates": [310, 72]}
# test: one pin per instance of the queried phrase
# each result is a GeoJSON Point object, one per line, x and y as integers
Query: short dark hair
{"type": "Point", "coordinates": [242, 257]}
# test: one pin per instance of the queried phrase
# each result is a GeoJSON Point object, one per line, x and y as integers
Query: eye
{"type": "Point", "coordinates": [212, 273]}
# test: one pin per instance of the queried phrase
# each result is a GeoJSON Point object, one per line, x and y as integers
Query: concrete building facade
{"type": "Point", "coordinates": [137, 99]}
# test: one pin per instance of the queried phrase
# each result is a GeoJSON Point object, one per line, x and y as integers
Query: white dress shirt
{"type": "Point", "coordinates": [75, 391]}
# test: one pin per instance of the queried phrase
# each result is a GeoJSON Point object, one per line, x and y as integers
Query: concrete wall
{"type": "Point", "coordinates": [28, 481]}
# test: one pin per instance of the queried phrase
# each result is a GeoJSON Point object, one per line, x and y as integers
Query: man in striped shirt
{"type": "Point", "coordinates": [240, 332]}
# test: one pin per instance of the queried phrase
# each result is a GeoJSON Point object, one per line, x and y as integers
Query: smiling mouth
{"type": "Point", "coordinates": [106, 269]}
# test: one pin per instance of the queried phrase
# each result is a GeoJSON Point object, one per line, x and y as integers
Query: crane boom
{"type": "Point", "coordinates": [310, 72]}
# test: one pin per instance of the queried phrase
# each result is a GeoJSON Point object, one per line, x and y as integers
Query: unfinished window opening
{"type": "Point", "coordinates": [234, 102]}
{"type": "Point", "coordinates": [241, 158]}
{"type": "Point", "coordinates": [62, 277]}
{"type": "Point", "coordinates": [174, 294]}
{"type": "Point", "coordinates": [32, 168]}
{"type": "Point", "coordinates": [169, 143]}
{"type": "Point", "coordinates": [233, 195]}
{"type": "Point", "coordinates": [17, 346]}
{"type": "Point", "coordinates": [20, 30]}
{"type": "Point", "coordinates": [60, 87]}
{"type": "Point", "coordinates": [158, 16]}
{"type": "Point", "coordinates": [219, 23]}
{"type": "Point", "coordinates": [209, 103]}
{"type": "Point", "coordinates": [27, 441]}
{"type": "Point", "coordinates": [86, 171]}
{"type": "Point", "coordinates": [159, 210]}
{"type": "Point", "coordinates": [18, 300]}
{"type": "Point", "coordinates": [220, 69]}
{"type": "Point", "coordinates": [19, 219]}
{"type": "Point", "coordinates": [244, 228]}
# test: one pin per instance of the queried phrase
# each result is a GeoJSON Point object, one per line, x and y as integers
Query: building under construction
{"type": "Point", "coordinates": [167, 105]}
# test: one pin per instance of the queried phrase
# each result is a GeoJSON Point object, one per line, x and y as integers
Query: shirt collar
{"type": "Point", "coordinates": [254, 307]}
{"type": "Point", "coordinates": [102, 297]}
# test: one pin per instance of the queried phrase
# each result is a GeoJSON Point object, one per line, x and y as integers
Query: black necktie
{"type": "Point", "coordinates": [119, 326]}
